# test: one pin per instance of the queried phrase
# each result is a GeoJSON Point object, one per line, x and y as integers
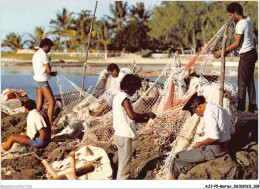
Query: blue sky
{"type": "Point", "coordinates": [22, 16]}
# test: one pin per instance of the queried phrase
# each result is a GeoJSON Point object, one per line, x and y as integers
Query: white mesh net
{"type": "Point", "coordinates": [173, 127]}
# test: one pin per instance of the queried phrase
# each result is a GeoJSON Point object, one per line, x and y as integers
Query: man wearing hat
{"type": "Point", "coordinates": [212, 141]}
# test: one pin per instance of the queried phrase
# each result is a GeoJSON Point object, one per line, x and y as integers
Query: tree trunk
{"type": "Point", "coordinates": [194, 40]}
{"type": "Point", "coordinates": [203, 35]}
{"type": "Point", "coordinates": [119, 24]}
{"type": "Point", "coordinates": [182, 49]}
{"type": "Point", "coordinates": [65, 40]}
{"type": "Point", "coordinates": [105, 51]}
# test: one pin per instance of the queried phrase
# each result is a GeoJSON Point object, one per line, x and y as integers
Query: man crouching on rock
{"type": "Point", "coordinates": [38, 129]}
{"type": "Point", "coordinates": [213, 140]}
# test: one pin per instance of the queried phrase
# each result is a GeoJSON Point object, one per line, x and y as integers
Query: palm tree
{"type": "Point", "coordinates": [119, 11]}
{"type": "Point", "coordinates": [57, 44]}
{"type": "Point", "coordinates": [14, 41]}
{"type": "Point", "coordinates": [36, 39]}
{"type": "Point", "coordinates": [138, 13]}
{"type": "Point", "coordinates": [104, 32]}
{"type": "Point", "coordinates": [63, 25]}
{"type": "Point", "coordinates": [82, 26]}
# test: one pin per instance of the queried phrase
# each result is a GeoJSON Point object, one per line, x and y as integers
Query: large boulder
{"type": "Point", "coordinates": [242, 160]}
{"type": "Point", "coordinates": [244, 166]}
{"type": "Point", "coordinates": [221, 168]}
{"type": "Point", "coordinates": [247, 158]}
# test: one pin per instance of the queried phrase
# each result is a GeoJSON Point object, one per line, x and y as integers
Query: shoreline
{"type": "Point", "coordinates": [120, 60]}
{"type": "Point", "coordinates": [75, 67]}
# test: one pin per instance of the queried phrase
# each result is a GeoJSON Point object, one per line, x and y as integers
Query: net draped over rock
{"type": "Point", "coordinates": [165, 97]}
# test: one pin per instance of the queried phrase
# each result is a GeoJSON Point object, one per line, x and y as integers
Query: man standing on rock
{"type": "Point", "coordinates": [213, 140]}
{"type": "Point", "coordinates": [42, 73]}
{"type": "Point", "coordinates": [248, 56]}
{"type": "Point", "coordinates": [124, 123]}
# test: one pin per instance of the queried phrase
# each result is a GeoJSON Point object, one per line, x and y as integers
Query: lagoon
{"type": "Point", "coordinates": [24, 81]}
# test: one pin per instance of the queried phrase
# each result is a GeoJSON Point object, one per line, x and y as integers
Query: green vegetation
{"type": "Point", "coordinates": [14, 41]}
{"type": "Point", "coordinates": [62, 26]}
{"type": "Point", "coordinates": [171, 26]}
{"type": "Point", "coordinates": [17, 56]}
{"type": "Point", "coordinates": [145, 53]}
{"type": "Point", "coordinates": [189, 25]}
{"type": "Point", "coordinates": [35, 40]}
{"type": "Point", "coordinates": [53, 57]}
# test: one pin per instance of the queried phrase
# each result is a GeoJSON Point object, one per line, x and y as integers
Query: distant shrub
{"type": "Point", "coordinates": [145, 53]}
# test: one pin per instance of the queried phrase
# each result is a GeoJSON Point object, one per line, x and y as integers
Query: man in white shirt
{"type": "Point", "coordinates": [117, 76]}
{"type": "Point", "coordinates": [114, 88]}
{"type": "Point", "coordinates": [124, 119]}
{"type": "Point", "coordinates": [213, 141]}
{"type": "Point", "coordinates": [248, 56]}
{"type": "Point", "coordinates": [38, 129]}
{"type": "Point", "coordinates": [42, 73]}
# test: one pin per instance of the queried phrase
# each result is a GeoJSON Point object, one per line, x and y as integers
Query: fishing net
{"type": "Point", "coordinates": [77, 104]}
{"type": "Point", "coordinates": [173, 128]}
{"type": "Point", "coordinates": [165, 96]}
{"type": "Point", "coordinates": [207, 83]}
{"type": "Point", "coordinates": [205, 64]}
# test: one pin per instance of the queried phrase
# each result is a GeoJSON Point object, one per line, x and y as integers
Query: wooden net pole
{"type": "Point", "coordinates": [223, 68]}
{"type": "Point", "coordinates": [86, 58]}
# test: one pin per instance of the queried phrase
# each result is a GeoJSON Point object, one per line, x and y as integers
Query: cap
{"type": "Point", "coordinates": [189, 103]}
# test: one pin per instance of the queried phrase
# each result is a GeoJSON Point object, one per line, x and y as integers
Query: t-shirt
{"type": "Point", "coordinates": [113, 89]}
{"type": "Point", "coordinates": [39, 60]}
{"type": "Point", "coordinates": [115, 82]}
{"type": "Point", "coordinates": [123, 125]}
{"type": "Point", "coordinates": [245, 27]}
{"type": "Point", "coordinates": [217, 123]}
{"type": "Point", "coordinates": [35, 122]}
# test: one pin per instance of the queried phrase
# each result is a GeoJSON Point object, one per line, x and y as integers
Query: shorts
{"type": "Point", "coordinates": [41, 84]}
{"type": "Point", "coordinates": [36, 142]}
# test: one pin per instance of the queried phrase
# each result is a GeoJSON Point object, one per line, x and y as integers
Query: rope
{"type": "Point", "coordinates": [19, 155]}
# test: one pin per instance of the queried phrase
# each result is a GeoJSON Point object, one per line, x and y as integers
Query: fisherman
{"type": "Point", "coordinates": [213, 140]}
{"type": "Point", "coordinates": [248, 56]}
{"type": "Point", "coordinates": [124, 123]}
{"type": "Point", "coordinates": [114, 88]}
{"type": "Point", "coordinates": [38, 130]}
{"type": "Point", "coordinates": [42, 73]}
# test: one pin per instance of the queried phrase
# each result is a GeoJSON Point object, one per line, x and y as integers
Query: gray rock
{"type": "Point", "coordinates": [221, 168]}
{"type": "Point", "coordinates": [243, 166]}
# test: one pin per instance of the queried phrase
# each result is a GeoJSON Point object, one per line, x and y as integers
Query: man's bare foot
{"type": "Point", "coordinates": [8, 144]}
{"type": "Point", "coordinates": [5, 147]}
{"type": "Point", "coordinates": [56, 128]}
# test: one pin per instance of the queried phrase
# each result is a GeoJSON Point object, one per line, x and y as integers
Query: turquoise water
{"type": "Point", "coordinates": [24, 81]}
